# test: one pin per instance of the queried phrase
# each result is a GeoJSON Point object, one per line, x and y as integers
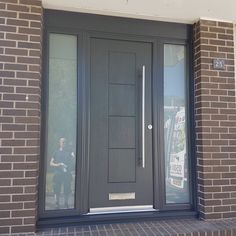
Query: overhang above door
{"type": "Point", "coordinates": [180, 11]}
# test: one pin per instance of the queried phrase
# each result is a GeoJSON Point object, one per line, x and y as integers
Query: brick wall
{"type": "Point", "coordinates": [20, 75]}
{"type": "Point", "coordinates": [215, 119]}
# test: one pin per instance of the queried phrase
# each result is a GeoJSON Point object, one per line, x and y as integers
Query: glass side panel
{"type": "Point", "coordinates": [176, 159]}
{"type": "Point", "coordinates": [61, 122]}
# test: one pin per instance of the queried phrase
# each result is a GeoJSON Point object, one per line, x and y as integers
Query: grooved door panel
{"type": "Point", "coordinates": [115, 123]}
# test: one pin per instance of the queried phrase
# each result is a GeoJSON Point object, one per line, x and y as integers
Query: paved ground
{"type": "Point", "coordinates": [187, 227]}
{"type": "Point", "coordinates": [177, 227]}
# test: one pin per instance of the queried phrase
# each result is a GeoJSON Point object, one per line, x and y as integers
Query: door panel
{"type": "Point", "coordinates": [115, 140]}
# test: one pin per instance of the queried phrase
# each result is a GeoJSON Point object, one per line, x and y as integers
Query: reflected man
{"type": "Point", "coordinates": [63, 163]}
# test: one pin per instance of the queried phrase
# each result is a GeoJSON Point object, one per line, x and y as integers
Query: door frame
{"type": "Point", "coordinates": [91, 26]}
{"type": "Point", "coordinates": [123, 40]}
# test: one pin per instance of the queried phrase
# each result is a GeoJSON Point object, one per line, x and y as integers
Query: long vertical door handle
{"type": "Point", "coordinates": [143, 116]}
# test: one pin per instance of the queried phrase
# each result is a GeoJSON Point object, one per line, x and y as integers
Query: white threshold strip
{"type": "Point", "coordinates": [121, 209]}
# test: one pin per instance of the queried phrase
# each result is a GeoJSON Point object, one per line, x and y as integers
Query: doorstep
{"type": "Point", "coordinates": [171, 227]}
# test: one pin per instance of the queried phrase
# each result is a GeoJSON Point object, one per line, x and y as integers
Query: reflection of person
{"type": "Point", "coordinates": [62, 161]}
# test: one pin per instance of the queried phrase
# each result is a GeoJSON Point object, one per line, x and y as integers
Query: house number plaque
{"type": "Point", "coordinates": [218, 64]}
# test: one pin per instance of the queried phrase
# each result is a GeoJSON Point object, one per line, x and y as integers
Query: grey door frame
{"type": "Point", "coordinates": [168, 33]}
{"type": "Point", "coordinates": [145, 56]}
{"type": "Point", "coordinates": [85, 207]}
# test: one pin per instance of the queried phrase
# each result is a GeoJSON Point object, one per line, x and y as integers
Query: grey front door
{"type": "Point", "coordinates": [121, 170]}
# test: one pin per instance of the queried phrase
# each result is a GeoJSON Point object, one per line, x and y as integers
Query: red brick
{"type": "Point", "coordinates": [28, 46]}
{"type": "Point", "coordinates": [29, 16]}
{"type": "Point", "coordinates": [20, 229]}
{"type": "Point", "coordinates": [9, 206]}
{"type": "Point", "coordinates": [20, 46]}
{"type": "Point", "coordinates": [7, 74]}
{"type": "Point", "coordinates": [17, 8]}
{"type": "Point", "coordinates": [31, 3]}
{"type": "Point", "coordinates": [4, 230]}
{"type": "Point", "coordinates": [15, 142]}
{"type": "Point", "coordinates": [226, 37]}
{"type": "Point", "coordinates": [17, 36]}
{"type": "Point", "coordinates": [7, 58]}
{"type": "Point", "coordinates": [15, 67]}
{"type": "Point", "coordinates": [7, 28]}
{"type": "Point", "coordinates": [11, 190]}
{"type": "Point", "coordinates": [23, 213]}
{"type": "Point", "coordinates": [13, 112]}
{"type": "Point", "coordinates": [13, 127]}
{"type": "Point", "coordinates": [24, 198]}
{"type": "Point", "coordinates": [6, 43]}
{"type": "Point", "coordinates": [9, 14]}
{"type": "Point", "coordinates": [216, 115]}
{"type": "Point", "coordinates": [13, 158]}
{"type": "Point", "coordinates": [15, 82]}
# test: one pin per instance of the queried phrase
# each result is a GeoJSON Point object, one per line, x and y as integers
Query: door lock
{"type": "Point", "coordinates": [150, 127]}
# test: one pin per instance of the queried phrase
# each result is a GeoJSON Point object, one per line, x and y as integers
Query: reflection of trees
{"type": "Point", "coordinates": [180, 140]}
{"type": "Point", "coordinates": [174, 102]}
{"type": "Point", "coordinates": [175, 140]}
{"type": "Point", "coordinates": [62, 103]}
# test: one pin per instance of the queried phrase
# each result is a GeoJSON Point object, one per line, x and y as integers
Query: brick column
{"type": "Point", "coordinates": [20, 76]}
{"type": "Point", "coordinates": [215, 114]}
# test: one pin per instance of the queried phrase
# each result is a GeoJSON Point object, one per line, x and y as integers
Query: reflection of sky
{"type": "Point", "coordinates": [174, 80]}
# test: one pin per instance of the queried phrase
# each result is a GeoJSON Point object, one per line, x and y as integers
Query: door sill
{"type": "Point", "coordinates": [113, 218]}
{"type": "Point", "coordinates": [120, 209]}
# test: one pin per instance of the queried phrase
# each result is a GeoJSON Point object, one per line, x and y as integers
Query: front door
{"type": "Point", "coordinates": [121, 173]}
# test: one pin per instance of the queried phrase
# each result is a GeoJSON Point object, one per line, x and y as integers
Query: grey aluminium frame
{"type": "Point", "coordinates": [85, 26]}
{"type": "Point", "coordinates": [189, 90]}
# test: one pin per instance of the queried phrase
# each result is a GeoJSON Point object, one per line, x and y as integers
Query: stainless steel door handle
{"type": "Point", "coordinates": [143, 116]}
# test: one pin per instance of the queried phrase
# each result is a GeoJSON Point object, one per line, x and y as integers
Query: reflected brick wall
{"type": "Point", "coordinates": [20, 76]}
{"type": "Point", "coordinates": [215, 115]}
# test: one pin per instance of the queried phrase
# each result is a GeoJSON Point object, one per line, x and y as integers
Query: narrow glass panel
{"type": "Point", "coordinates": [176, 159]}
{"type": "Point", "coordinates": [61, 122]}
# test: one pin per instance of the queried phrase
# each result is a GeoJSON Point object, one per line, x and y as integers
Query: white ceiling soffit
{"type": "Point", "coordinates": [182, 11]}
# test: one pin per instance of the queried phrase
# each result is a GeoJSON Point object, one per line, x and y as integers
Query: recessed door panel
{"type": "Point", "coordinates": [121, 165]}
{"type": "Point", "coordinates": [122, 100]}
{"type": "Point", "coordinates": [117, 176]}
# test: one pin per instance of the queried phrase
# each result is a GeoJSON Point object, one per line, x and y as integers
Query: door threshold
{"type": "Point", "coordinates": [89, 219]}
{"type": "Point", "coordinates": [120, 209]}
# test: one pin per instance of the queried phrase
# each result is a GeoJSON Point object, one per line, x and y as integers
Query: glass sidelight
{"type": "Point", "coordinates": [176, 158]}
{"type": "Point", "coordinates": [61, 122]}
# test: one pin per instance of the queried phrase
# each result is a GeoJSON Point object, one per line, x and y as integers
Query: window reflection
{"type": "Point", "coordinates": [61, 122]}
{"type": "Point", "coordinates": [63, 163]}
{"type": "Point", "coordinates": [176, 159]}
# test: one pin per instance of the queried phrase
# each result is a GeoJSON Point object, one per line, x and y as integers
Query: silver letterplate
{"type": "Point", "coordinates": [121, 196]}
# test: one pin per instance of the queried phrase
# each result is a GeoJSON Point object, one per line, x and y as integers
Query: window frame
{"type": "Point", "coordinates": [42, 212]}
{"type": "Point", "coordinates": [189, 103]}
